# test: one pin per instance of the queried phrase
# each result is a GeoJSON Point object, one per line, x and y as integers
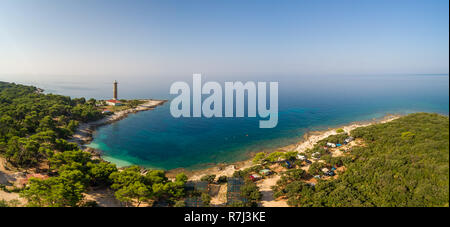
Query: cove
{"type": "Point", "coordinates": [155, 139]}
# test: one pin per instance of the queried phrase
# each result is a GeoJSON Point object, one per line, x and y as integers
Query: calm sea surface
{"type": "Point", "coordinates": [155, 139]}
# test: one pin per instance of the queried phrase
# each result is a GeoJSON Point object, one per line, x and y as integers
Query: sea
{"type": "Point", "coordinates": [155, 139]}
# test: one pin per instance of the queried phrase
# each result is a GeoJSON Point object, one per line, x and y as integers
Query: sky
{"type": "Point", "coordinates": [103, 38]}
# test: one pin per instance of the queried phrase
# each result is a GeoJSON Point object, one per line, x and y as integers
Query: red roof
{"type": "Point", "coordinates": [114, 101]}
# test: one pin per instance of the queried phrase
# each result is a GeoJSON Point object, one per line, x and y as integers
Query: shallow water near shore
{"type": "Point", "coordinates": [155, 139]}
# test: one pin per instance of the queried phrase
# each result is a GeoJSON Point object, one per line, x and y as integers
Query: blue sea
{"type": "Point", "coordinates": [155, 139]}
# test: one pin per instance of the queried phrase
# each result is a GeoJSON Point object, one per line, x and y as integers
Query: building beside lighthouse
{"type": "Point", "coordinates": [114, 101]}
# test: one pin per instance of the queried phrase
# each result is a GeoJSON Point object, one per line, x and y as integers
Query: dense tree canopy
{"type": "Point", "coordinates": [30, 122]}
{"type": "Point", "coordinates": [131, 185]}
{"type": "Point", "coordinates": [401, 163]}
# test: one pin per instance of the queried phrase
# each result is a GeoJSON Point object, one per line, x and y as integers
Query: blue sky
{"type": "Point", "coordinates": [111, 37]}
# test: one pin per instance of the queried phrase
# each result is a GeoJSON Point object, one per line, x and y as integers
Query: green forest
{"type": "Point", "coordinates": [33, 130]}
{"type": "Point", "coordinates": [33, 124]}
{"type": "Point", "coordinates": [404, 162]}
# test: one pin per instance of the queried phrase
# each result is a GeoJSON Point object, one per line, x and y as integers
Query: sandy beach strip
{"type": "Point", "coordinates": [308, 141]}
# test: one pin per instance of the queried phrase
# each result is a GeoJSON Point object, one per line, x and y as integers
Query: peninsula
{"type": "Point", "coordinates": [112, 110]}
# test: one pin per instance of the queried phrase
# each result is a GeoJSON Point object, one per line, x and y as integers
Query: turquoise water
{"type": "Point", "coordinates": [157, 140]}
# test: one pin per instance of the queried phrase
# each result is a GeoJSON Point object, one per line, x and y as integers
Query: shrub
{"type": "Point", "coordinates": [210, 178]}
{"type": "Point", "coordinates": [206, 199]}
{"type": "Point", "coordinates": [180, 203]}
{"type": "Point", "coordinates": [222, 179]}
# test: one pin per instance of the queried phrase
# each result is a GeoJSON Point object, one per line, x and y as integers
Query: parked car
{"type": "Point", "coordinates": [288, 165]}
{"type": "Point", "coordinates": [255, 177]}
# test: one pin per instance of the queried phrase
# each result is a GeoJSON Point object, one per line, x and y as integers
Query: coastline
{"type": "Point", "coordinates": [307, 142]}
{"type": "Point", "coordinates": [84, 132]}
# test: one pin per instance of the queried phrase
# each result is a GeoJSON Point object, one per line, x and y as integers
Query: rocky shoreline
{"type": "Point", "coordinates": [83, 134]}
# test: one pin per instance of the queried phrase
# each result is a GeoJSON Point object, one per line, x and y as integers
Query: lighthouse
{"type": "Point", "coordinates": [115, 89]}
{"type": "Point", "coordinates": [114, 101]}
